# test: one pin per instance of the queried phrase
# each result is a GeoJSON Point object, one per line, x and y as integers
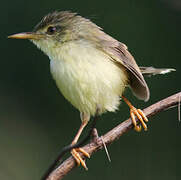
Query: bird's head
{"type": "Point", "coordinates": [57, 28]}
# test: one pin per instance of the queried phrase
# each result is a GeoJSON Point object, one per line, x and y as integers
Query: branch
{"type": "Point", "coordinates": [97, 144]}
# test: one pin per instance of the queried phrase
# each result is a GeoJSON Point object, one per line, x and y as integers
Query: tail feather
{"type": "Point", "coordinates": [154, 71]}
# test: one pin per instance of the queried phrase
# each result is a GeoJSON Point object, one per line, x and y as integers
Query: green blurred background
{"type": "Point", "coordinates": [35, 119]}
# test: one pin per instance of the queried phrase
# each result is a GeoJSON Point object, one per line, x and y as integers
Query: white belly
{"type": "Point", "coordinates": [88, 79]}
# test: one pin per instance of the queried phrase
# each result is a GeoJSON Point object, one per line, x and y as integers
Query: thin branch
{"type": "Point", "coordinates": [97, 144]}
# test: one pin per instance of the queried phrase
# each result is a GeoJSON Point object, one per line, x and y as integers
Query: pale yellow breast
{"type": "Point", "coordinates": [87, 78]}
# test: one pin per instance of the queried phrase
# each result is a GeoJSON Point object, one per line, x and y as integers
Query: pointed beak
{"type": "Point", "coordinates": [26, 35]}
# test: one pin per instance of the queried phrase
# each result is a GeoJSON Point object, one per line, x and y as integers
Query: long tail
{"type": "Point", "coordinates": [154, 71]}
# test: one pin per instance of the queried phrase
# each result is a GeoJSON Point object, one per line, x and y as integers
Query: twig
{"type": "Point", "coordinates": [107, 153]}
{"type": "Point", "coordinates": [64, 168]}
{"type": "Point", "coordinates": [179, 108]}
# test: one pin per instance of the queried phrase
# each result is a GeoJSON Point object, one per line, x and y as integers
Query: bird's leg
{"type": "Point", "coordinates": [75, 151]}
{"type": "Point", "coordinates": [74, 145]}
{"type": "Point", "coordinates": [139, 114]}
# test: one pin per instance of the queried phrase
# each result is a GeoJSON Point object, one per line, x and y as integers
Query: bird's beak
{"type": "Point", "coordinates": [26, 35]}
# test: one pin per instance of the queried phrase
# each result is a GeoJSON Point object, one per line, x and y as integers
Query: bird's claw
{"type": "Point", "coordinates": [141, 117]}
{"type": "Point", "coordinates": [77, 157]}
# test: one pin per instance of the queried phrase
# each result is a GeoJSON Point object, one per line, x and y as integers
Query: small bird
{"type": "Point", "coordinates": [90, 68]}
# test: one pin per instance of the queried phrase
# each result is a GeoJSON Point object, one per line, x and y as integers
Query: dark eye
{"type": "Point", "coordinates": [51, 30]}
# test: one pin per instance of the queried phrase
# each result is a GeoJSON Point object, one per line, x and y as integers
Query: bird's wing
{"type": "Point", "coordinates": [120, 54]}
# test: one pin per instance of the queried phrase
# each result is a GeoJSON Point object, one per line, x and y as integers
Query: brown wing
{"type": "Point", "coordinates": [120, 54]}
{"type": "Point", "coordinates": [137, 82]}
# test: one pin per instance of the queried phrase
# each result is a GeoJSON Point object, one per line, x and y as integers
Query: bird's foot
{"type": "Point", "coordinates": [141, 117]}
{"type": "Point", "coordinates": [78, 158]}
{"type": "Point", "coordinates": [136, 113]}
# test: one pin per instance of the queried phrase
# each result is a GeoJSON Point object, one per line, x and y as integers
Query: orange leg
{"type": "Point", "coordinates": [75, 151]}
{"type": "Point", "coordinates": [139, 114]}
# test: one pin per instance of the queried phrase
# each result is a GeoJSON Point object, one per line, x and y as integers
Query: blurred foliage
{"type": "Point", "coordinates": [34, 115]}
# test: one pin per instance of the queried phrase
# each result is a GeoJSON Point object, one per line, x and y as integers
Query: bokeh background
{"type": "Point", "coordinates": [35, 119]}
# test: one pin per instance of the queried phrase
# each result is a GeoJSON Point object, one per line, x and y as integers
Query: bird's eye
{"type": "Point", "coordinates": [51, 30]}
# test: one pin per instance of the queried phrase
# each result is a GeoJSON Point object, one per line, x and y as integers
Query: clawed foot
{"type": "Point", "coordinates": [136, 113]}
{"type": "Point", "coordinates": [77, 157]}
{"type": "Point", "coordinates": [141, 117]}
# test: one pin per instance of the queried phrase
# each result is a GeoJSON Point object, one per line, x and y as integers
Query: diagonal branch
{"type": "Point", "coordinates": [64, 168]}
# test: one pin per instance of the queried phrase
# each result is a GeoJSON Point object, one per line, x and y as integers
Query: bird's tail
{"type": "Point", "coordinates": [154, 71]}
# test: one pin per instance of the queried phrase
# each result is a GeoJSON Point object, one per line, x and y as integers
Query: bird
{"type": "Point", "coordinates": [91, 69]}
